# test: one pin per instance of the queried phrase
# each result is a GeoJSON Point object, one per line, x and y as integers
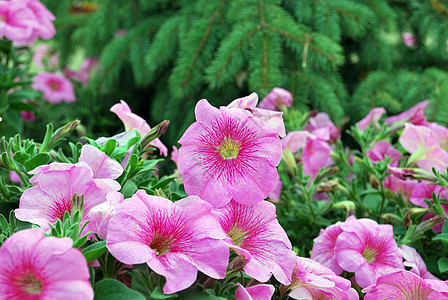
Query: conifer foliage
{"type": "Point", "coordinates": [338, 56]}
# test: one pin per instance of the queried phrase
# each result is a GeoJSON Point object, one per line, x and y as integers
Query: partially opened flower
{"type": "Point", "coordinates": [414, 115]}
{"type": "Point", "coordinates": [421, 142]}
{"type": "Point", "coordinates": [382, 149]}
{"type": "Point", "coordinates": [397, 185]}
{"type": "Point", "coordinates": [229, 154]}
{"type": "Point", "coordinates": [33, 266]}
{"type": "Point", "coordinates": [277, 98]}
{"type": "Point", "coordinates": [255, 292]}
{"type": "Point", "coordinates": [133, 121]}
{"type": "Point", "coordinates": [367, 249]}
{"type": "Point", "coordinates": [254, 232]}
{"type": "Point", "coordinates": [101, 165]}
{"type": "Point", "coordinates": [53, 188]}
{"type": "Point", "coordinates": [55, 88]}
{"type": "Point", "coordinates": [371, 119]}
{"type": "Point", "coordinates": [311, 280]}
{"type": "Point", "coordinates": [322, 121]}
{"type": "Point", "coordinates": [176, 240]}
{"type": "Point", "coordinates": [404, 285]}
{"type": "Point", "coordinates": [415, 261]}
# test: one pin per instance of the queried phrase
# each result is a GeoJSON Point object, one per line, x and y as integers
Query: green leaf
{"type": "Point", "coordinates": [158, 294]}
{"type": "Point", "coordinates": [110, 146]}
{"type": "Point", "coordinates": [443, 264]}
{"type": "Point", "coordinates": [111, 289]}
{"type": "Point", "coordinates": [441, 237]}
{"type": "Point", "coordinates": [23, 94]}
{"type": "Point", "coordinates": [197, 295]}
{"type": "Point", "coordinates": [37, 160]}
{"type": "Point", "coordinates": [94, 250]}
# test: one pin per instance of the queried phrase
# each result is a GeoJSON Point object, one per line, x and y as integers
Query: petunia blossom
{"type": "Point", "coordinates": [371, 119]}
{"type": "Point", "coordinates": [311, 280]}
{"type": "Point", "coordinates": [45, 28]}
{"type": "Point", "coordinates": [55, 88]}
{"type": "Point", "coordinates": [53, 188]}
{"type": "Point", "coordinates": [322, 121]}
{"type": "Point", "coordinates": [404, 285]}
{"type": "Point", "coordinates": [408, 39]}
{"type": "Point", "coordinates": [277, 98]}
{"type": "Point", "coordinates": [255, 292]}
{"type": "Point", "coordinates": [229, 154]}
{"type": "Point", "coordinates": [16, 21]}
{"type": "Point", "coordinates": [415, 262]}
{"type": "Point", "coordinates": [85, 70]}
{"type": "Point", "coordinates": [33, 266]}
{"type": "Point", "coordinates": [101, 165]}
{"type": "Point", "coordinates": [254, 232]}
{"type": "Point", "coordinates": [133, 121]}
{"type": "Point", "coordinates": [176, 240]}
{"type": "Point", "coordinates": [382, 149]}
{"type": "Point", "coordinates": [367, 249]}
{"type": "Point", "coordinates": [414, 115]}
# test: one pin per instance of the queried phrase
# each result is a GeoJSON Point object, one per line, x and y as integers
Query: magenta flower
{"type": "Point", "coordinates": [311, 280]}
{"type": "Point", "coordinates": [16, 21]}
{"type": "Point", "coordinates": [254, 232]}
{"type": "Point", "coordinates": [101, 165]}
{"type": "Point", "coordinates": [371, 119]}
{"type": "Point", "coordinates": [27, 116]}
{"type": "Point", "coordinates": [404, 285]}
{"type": "Point", "coordinates": [367, 249]}
{"type": "Point", "coordinates": [322, 121]}
{"type": "Point", "coordinates": [415, 262]}
{"type": "Point", "coordinates": [408, 39]}
{"type": "Point", "coordinates": [176, 240]}
{"type": "Point", "coordinates": [414, 115]}
{"type": "Point", "coordinates": [229, 154]}
{"type": "Point", "coordinates": [133, 121]}
{"type": "Point", "coordinates": [255, 292]}
{"type": "Point", "coordinates": [323, 247]}
{"type": "Point", "coordinates": [55, 88]}
{"type": "Point", "coordinates": [277, 98]}
{"type": "Point", "coordinates": [421, 142]}
{"type": "Point", "coordinates": [33, 266]}
{"type": "Point", "coordinates": [397, 185]}
{"type": "Point", "coordinates": [101, 214]}
{"type": "Point", "coordinates": [53, 188]}
{"type": "Point", "coordinates": [382, 149]}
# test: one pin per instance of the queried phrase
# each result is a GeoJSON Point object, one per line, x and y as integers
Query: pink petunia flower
{"type": "Point", "coordinates": [397, 185]}
{"type": "Point", "coordinates": [45, 28]}
{"type": "Point", "coordinates": [415, 261]}
{"type": "Point", "coordinates": [229, 154]}
{"type": "Point", "coordinates": [408, 39]}
{"type": "Point", "coordinates": [176, 240]}
{"type": "Point", "coordinates": [16, 21]}
{"type": "Point", "coordinates": [403, 285]}
{"type": "Point", "coordinates": [55, 88]}
{"type": "Point", "coordinates": [441, 133]}
{"type": "Point", "coordinates": [274, 196]}
{"type": "Point", "coordinates": [254, 232]}
{"type": "Point", "coordinates": [255, 292]}
{"type": "Point", "coordinates": [382, 149]}
{"type": "Point", "coordinates": [367, 249]}
{"type": "Point", "coordinates": [311, 280]}
{"type": "Point", "coordinates": [101, 165]}
{"type": "Point", "coordinates": [53, 188]}
{"type": "Point", "coordinates": [33, 266]}
{"type": "Point", "coordinates": [133, 121]}
{"type": "Point", "coordinates": [414, 115]}
{"type": "Point", "coordinates": [322, 121]}
{"type": "Point", "coordinates": [86, 69]}
{"type": "Point", "coordinates": [27, 116]}
{"type": "Point", "coordinates": [421, 142]}
{"type": "Point", "coordinates": [277, 98]}
{"type": "Point", "coordinates": [272, 118]}
{"type": "Point", "coordinates": [371, 119]}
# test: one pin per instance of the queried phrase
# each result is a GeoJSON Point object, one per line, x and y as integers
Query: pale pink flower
{"type": "Point", "coordinates": [311, 280]}
{"type": "Point", "coordinates": [176, 240]}
{"type": "Point", "coordinates": [367, 249]}
{"type": "Point", "coordinates": [16, 21]}
{"type": "Point", "coordinates": [422, 143]}
{"type": "Point", "coordinates": [133, 121]}
{"type": "Point", "coordinates": [53, 188]}
{"type": "Point", "coordinates": [45, 28]}
{"type": "Point", "coordinates": [397, 185]}
{"type": "Point", "coordinates": [404, 285]}
{"type": "Point", "coordinates": [277, 98]}
{"type": "Point", "coordinates": [255, 292]}
{"type": "Point", "coordinates": [86, 69]}
{"type": "Point", "coordinates": [296, 140]}
{"type": "Point", "coordinates": [322, 121]}
{"type": "Point", "coordinates": [415, 262]}
{"type": "Point", "coordinates": [33, 266]}
{"type": "Point", "coordinates": [323, 247]}
{"type": "Point", "coordinates": [27, 116]}
{"type": "Point", "coordinates": [272, 118]}
{"type": "Point", "coordinates": [175, 155]}
{"type": "Point", "coordinates": [101, 165]}
{"type": "Point", "coordinates": [382, 149]}
{"type": "Point", "coordinates": [414, 115]}
{"type": "Point", "coordinates": [120, 32]}
{"type": "Point", "coordinates": [229, 154]}
{"type": "Point", "coordinates": [254, 232]}
{"type": "Point", "coordinates": [441, 133]}
{"type": "Point", "coordinates": [371, 119]}
{"type": "Point", "coordinates": [55, 87]}
{"type": "Point", "coordinates": [408, 39]}
{"type": "Point", "coordinates": [39, 54]}
{"type": "Point", "coordinates": [274, 196]}
{"type": "Point", "coordinates": [101, 214]}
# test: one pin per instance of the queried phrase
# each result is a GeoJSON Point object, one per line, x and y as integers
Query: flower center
{"type": "Point", "coordinates": [369, 254]}
{"type": "Point", "coordinates": [31, 284]}
{"type": "Point", "coordinates": [237, 235]}
{"type": "Point", "coordinates": [54, 85]}
{"type": "Point", "coordinates": [228, 148]}
{"type": "Point", "coordinates": [160, 244]}
{"type": "Point", "coordinates": [3, 18]}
